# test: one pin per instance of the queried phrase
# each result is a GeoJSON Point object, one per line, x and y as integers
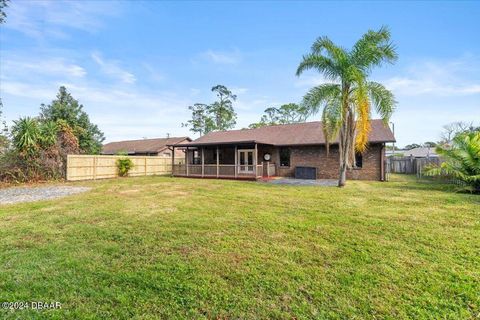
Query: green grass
{"type": "Point", "coordinates": [159, 247]}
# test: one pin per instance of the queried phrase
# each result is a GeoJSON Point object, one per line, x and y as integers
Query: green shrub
{"type": "Point", "coordinates": [123, 166]}
{"type": "Point", "coordinates": [38, 151]}
{"type": "Point", "coordinates": [462, 161]}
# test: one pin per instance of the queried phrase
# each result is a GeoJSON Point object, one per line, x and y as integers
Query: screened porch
{"type": "Point", "coordinates": [224, 161]}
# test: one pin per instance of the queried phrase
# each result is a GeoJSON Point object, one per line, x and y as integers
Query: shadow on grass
{"type": "Point", "coordinates": [412, 183]}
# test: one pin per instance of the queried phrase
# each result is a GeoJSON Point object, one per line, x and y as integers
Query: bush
{"type": "Point", "coordinates": [123, 166]}
{"type": "Point", "coordinates": [38, 151]}
{"type": "Point", "coordinates": [462, 161]}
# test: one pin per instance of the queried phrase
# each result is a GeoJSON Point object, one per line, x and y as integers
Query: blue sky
{"type": "Point", "coordinates": [136, 66]}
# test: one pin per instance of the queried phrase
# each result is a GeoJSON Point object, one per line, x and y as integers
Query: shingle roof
{"type": "Point", "coordinates": [308, 133]}
{"type": "Point", "coordinates": [421, 152]}
{"type": "Point", "coordinates": [142, 146]}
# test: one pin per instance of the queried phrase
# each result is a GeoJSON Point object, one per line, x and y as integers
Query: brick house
{"type": "Point", "coordinates": [280, 150]}
{"type": "Point", "coordinates": [146, 147]}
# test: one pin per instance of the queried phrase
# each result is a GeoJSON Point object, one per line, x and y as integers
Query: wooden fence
{"type": "Point", "coordinates": [410, 165]}
{"type": "Point", "coordinates": [91, 167]}
{"type": "Point", "coordinates": [416, 166]}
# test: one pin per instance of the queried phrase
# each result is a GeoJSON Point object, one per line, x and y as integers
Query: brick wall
{"type": "Point", "coordinates": [327, 167]}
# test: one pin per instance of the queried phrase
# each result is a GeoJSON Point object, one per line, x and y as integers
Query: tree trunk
{"type": "Point", "coordinates": [344, 153]}
{"type": "Point", "coordinates": [343, 141]}
{"type": "Point", "coordinates": [351, 139]}
{"type": "Point", "coordinates": [342, 180]}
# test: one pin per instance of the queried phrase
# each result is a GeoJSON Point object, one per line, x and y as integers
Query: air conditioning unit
{"type": "Point", "coordinates": [306, 173]}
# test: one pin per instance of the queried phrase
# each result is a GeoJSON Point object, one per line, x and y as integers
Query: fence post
{"type": "Point", "coordinates": [218, 161]}
{"type": "Point", "coordinates": [236, 160]}
{"type": "Point", "coordinates": [94, 167]}
{"type": "Point", "coordinates": [203, 161]}
{"type": "Point", "coordinates": [67, 173]}
{"type": "Point", "coordinates": [186, 162]}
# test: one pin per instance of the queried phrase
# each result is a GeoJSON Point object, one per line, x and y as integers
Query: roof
{"type": "Point", "coordinates": [421, 152]}
{"type": "Point", "coordinates": [142, 145]}
{"type": "Point", "coordinates": [307, 133]}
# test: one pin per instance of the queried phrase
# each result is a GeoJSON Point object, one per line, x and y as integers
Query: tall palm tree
{"type": "Point", "coordinates": [347, 101]}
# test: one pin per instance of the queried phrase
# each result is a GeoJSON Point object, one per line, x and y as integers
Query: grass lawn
{"type": "Point", "coordinates": [160, 247]}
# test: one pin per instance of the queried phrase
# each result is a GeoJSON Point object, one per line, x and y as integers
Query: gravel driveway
{"type": "Point", "coordinates": [29, 194]}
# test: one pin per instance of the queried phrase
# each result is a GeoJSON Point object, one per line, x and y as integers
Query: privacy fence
{"type": "Point", "coordinates": [91, 167]}
{"type": "Point", "coordinates": [416, 166]}
{"type": "Point", "coordinates": [410, 165]}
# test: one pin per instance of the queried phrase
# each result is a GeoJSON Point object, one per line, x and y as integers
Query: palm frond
{"type": "Point", "coordinates": [321, 95]}
{"type": "Point", "coordinates": [363, 125]}
{"type": "Point", "coordinates": [373, 49]}
{"type": "Point", "coordinates": [462, 160]}
{"type": "Point", "coordinates": [382, 99]}
{"type": "Point", "coordinates": [322, 64]}
{"type": "Point", "coordinates": [323, 45]}
{"type": "Point", "coordinates": [331, 120]}
{"type": "Point", "coordinates": [25, 133]}
{"type": "Point", "coordinates": [328, 97]}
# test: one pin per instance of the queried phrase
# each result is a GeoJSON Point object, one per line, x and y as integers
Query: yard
{"type": "Point", "coordinates": [161, 247]}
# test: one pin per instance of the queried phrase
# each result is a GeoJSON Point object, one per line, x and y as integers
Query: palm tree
{"type": "Point", "coordinates": [347, 101]}
{"type": "Point", "coordinates": [48, 134]}
{"type": "Point", "coordinates": [26, 135]}
{"type": "Point", "coordinates": [462, 160]}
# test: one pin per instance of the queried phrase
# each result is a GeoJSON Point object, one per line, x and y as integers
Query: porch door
{"type": "Point", "coordinates": [245, 161]}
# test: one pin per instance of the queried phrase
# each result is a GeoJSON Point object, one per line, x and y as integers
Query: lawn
{"type": "Point", "coordinates": [160, 247]}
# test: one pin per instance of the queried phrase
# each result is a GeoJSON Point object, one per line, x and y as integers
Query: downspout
{"type": "Point", "coordinates": [382, 163]}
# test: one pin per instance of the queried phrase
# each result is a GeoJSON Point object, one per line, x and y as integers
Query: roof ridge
{"type": "Point", "coordinates": [277, 125]}
{"type": "Point", "coordinates": [136, 140]}
{"type": "Point", "coordinates": [267, 126]}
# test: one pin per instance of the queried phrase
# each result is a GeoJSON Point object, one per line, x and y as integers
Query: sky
{"type": "Point", "coordinates": [136, 66]}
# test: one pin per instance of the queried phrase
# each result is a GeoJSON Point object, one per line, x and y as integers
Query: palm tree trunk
{"type": "Point", "coordinates": [351, 139]}
{"type": "Point", "coordinates": [343, 143]}
{"type": "Point", "coordinates": [343, 151]}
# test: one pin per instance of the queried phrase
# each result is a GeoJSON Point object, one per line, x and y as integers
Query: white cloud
{"type": "Point", "coordinates": [47, 66]}
{"type": "Point", "coordinates": [223, 57]}
{"type": "Point", "coordinates": [440, 78]}
{"type": "Point", "coordinates": [154, 74]}
{"type": "Point", "coordinates": [121, 114]}
{"type": "Point", "coordinates": [429, 85]}
{"type": "Point", "coordinates": [25, 90]}
{"type": "Point", "coordinates": [113, 69]}
{"type": "Point", "coordinates": [48, 18]}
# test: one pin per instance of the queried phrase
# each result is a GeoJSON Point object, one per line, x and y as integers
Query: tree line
{"type": "Point", "coordinates": [449, 132]}
{"type": "Point", "coordinates": [220, 115]}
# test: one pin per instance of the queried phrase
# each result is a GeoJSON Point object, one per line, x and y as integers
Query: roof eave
{"type": "Point", "coordinates": [221, 143]}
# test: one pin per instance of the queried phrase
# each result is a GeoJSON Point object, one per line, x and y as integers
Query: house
{"type": "Point", "coordinates": [146, 147]}
{"type": "Point", "coordinates": [422, 152]}
{"type": "Point", "coordinates": [279, 150]}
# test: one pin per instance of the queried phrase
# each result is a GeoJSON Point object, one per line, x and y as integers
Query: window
{"type": "Point", "coordinates": [284, 157]}
{"type": "Point", "coordinates": [196, 157]}
{"type": "Point", "coordinates": [358, 160]}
